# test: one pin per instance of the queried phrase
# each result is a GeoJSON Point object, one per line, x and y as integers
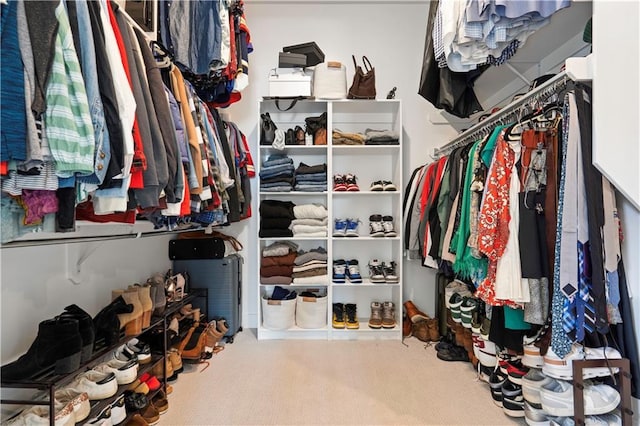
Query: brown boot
{"type": "Point", "coordinates": [432, 326]}
{"type": "Point", "coordinates": [414, 313]}
{"type": "Point", "coordinates": [406, 326]}
{"type": "Point", "coordinates": [459, 331]}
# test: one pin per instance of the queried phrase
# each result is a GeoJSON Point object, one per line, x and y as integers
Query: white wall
{"type": "Point", "coordinates": [392, 37]}
{"type": "Point", "coordinates": [616, 109]}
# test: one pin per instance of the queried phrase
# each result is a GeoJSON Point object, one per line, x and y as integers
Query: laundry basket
{"type": "Point", "coordinates": [278, 314]}
{"type": "Point", "coordinates": [311, 312]}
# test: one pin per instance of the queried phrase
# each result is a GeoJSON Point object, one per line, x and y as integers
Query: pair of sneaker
{"type": "Point", "coordinates": [382, 272]}
{"type": "Point", "coordinates": [346, 270]}
{"type": "Point", "coordinates": [348, 182]}
{"type": "Point", "coordinates": [383, 185]}
{"type": "Point", "coordinates": [346, 227]}
{"type": "Point", "coordinates": [381, 226]}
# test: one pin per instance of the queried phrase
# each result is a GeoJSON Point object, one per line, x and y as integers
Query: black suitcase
{"type": "Point", "coordinates": [196, 248]}
{"type": "Point", "coordinates": [223, 279]}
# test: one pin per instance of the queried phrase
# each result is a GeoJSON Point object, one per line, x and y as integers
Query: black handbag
{"type": "Point", "coordinates": [267, 129]}
{"type": "Point", "coordinates": [313, 124]}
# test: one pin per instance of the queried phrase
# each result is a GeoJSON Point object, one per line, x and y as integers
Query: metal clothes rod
{"type": "Point", "coordinates": [473, 133]}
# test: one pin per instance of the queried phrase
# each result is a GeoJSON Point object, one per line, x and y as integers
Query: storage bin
{"type": "Point", "coordinates": [330, 81]}
{"type": "Point", "coordinates": [289, 82]}
{"type": "Point", "coordinates": [311, 312]}
{"type": "Point", "coordinates": [278, 314]}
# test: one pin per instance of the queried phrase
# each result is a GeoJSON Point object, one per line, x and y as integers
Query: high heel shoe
{"type": "Point", "coordinates": [132, 322]}
{"type": "Point", "coordinates": [174, 286]}
{"type": "Point", "coordinates": [144, 294]}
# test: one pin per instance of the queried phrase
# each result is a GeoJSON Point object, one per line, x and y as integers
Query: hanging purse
{"type": "Point", "coordinates": [364, 84]}
{"type": "Point", "coordinates": [267, 129]}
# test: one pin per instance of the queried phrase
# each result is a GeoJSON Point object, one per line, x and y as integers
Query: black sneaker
{"type": "Point", "coordinates": [376, 228]}
{"type": "Point", "coordinates": [512, 399]}
{"type": "Point", "coordinates": [352, 316]}
{"type": "Point", "coordinates": [338, 316]}
{"type": "Point", "coordinates": [376, 273]}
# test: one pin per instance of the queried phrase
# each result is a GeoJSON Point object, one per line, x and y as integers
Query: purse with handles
{"type": "Point", "coordinates": [267, 129]}
{"type": "Point", "coordinates": [364, 83]}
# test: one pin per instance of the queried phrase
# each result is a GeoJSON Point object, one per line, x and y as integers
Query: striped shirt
{"type": "Point", "coordinates": [67, 120]}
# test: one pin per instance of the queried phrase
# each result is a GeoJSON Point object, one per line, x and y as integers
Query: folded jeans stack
{"type": "Point", "coordinates": [276, 174]}
{"type": "Point", "coordinates": [311, 178]}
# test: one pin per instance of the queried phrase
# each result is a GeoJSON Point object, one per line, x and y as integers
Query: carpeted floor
{"type": "Point", "coordinates": [298, 382]}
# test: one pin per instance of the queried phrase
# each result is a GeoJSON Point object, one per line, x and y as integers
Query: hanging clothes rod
{"type": "Point", "coordinates": [473, 133]}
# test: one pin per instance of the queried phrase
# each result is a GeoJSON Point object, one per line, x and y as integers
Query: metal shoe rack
{"type": "Point", "coordinates": [47, 382]}
{"type": "Point", "coordinates": [625, 387]}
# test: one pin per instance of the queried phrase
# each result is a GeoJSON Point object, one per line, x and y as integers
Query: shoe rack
{"type": "Point", "coordinates": [42, 387]}
{"type": "Point", "coordinates": [369, 163]}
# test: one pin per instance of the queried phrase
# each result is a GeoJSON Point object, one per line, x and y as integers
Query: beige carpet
{"type": "Point", "coordinates": [296, 382]}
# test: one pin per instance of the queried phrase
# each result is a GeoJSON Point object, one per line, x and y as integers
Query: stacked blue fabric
{"type": "Point", "coordinates": [311, 178]}
{"type": "Point", "coordinates": [276, 174]}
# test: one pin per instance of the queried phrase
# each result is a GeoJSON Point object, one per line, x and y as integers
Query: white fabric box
{"type": "Point", "coordinates": [278, 314]}
{"type": "Point", "coordinates": [311, 312]}
{"type": "Point", "coordinates": [289, 82]}
{"type": "Point", "coordinates": [330, 81]}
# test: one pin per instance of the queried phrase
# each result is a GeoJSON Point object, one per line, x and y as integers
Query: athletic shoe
{"type": "Point", "coordinates": [338, 320]}
{"type": "Point", "coordinates": [534, 416]}
{"type": "Point", "coordinates": [484, 372]}
{"type": "Point", "coordinates": [495, 384]}
{"type": "Point", "coordinates": [388, 186]}
{"type": "Point", "coordinates": [353, 272]}
{"type": "Point", "coordinates": [389, 272]}
{"type": "Point", "coordinates": [339, 227]}
{"type": "Point", "coordinates": [454, 303]}
{"type": "Point", "coordinates": [531, 384]}
{"type": "Point", "coordinates": [387, 225]}
{"type": "Point", "coordinates": [350, 181]}
{"type": "Point", "coordinates": [375, 320]}
{"type": "Point", "coordinates": [352, 316]}
{"type": "Point", "coordinates": [377, 186]}
{"type": "Point", "coordinates": [352, 228]}
{"type": "Point", "coordinates": [339, 184]}
{"type": "Point", "coordinates": [376, 228]}
{"type": "Point", "coordinates": [532, 357]}
{"type": "Point", "coordinates": [455, 286]}
{"type": "Point", "coordinates": [388, 315]}
{"type": "Point", "coordinates": [376, 273]}
{"type": "Point", "coordinates": [557, 398]}
{"type": "Point", "coordinates": [516, 371]}
{"type": "Point", "coordinates": [562, 368]}
{"type": "Point", "coordinates": [469, 306]}
{"type": "Point", "coordinates": [339, 271]}
{"type": "Point", "coordinates": [484, 350]}
{"type": "Point", "coordinates": [512, 400]}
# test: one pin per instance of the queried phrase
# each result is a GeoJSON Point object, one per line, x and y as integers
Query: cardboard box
{"type": "Point", "coordinates": [289, 82]}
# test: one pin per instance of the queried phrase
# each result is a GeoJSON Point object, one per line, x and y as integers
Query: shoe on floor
{"type": "Point", "coordinates": [453, 353]}
{"type": "Point", "coordinates": [484, 350]}
{"type": "Point", "coordinates": [495, 384]}
{"type": "Point", "coordinates": [413, 312]}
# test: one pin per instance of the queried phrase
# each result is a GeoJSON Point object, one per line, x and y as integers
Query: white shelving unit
{"type": "Point", "coordinates": [368, 163]}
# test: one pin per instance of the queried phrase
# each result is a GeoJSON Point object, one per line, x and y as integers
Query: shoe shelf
{"type": "Point", "coordinates": [369, 163]}
{"type": "Point", "coordinates": [46, 382]}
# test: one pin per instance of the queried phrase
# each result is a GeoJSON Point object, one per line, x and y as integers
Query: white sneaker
{"type": "Point", "coordinates": [562, 368]}
{"type": "Point", "coordinates": [531, 384]}
{"type": "Point", "coordinates": [557, 398]}
{"type": "Point", "coordinates": [96, 384]}
{"type": "Point", "coordinates": [102, 419]}
{"type": "Point", "coordinates": [125, 371]}
{"type": "Point", "coordinates": [534, 416]}
{"type": "Point", "coordinates": [118, 410]}
{"type": "Point", "coordinates": [532, 357]}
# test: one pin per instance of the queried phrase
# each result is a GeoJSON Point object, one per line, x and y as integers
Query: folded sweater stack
{"type": "Point", "coordinates": [275, 218]}
{"type": "Point", "coordinates": [381, 137]}
{"type": "Point", "coordinates": [310, 220]}
{"type": "Point", "coordinates": [344, 138]}
{"type": "Point", "coordinates": [310, 267]}
{"type": "Point", "coordinates": [277, 262]}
